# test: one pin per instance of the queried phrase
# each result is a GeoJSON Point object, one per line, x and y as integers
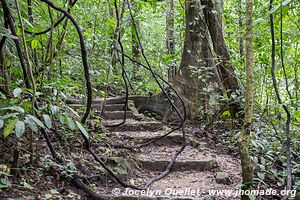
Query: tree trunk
{"type": "Point", "coordinates": [225, 68]}
{"type": "Point", "coordinates": [4, 73]}
{"type": "Point", "coordinates": [244, 139]}
{"type": "Point", "coordinates": [170, 41]}
{"type": "Point", "coordinates": [196, 62]}
{"type": "Point", "coordinates": [241, 40]}
{"type": "Point", "coordinates": [136, 53]}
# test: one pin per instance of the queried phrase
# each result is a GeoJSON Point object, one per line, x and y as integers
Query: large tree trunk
{"type": "Point", "coordinates": [225, 68]}
{"type": "Point", "coordinates": [196, 68]}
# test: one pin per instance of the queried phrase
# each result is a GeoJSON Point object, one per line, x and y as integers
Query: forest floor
{"type": "Point", "coordinates": [204, 165]}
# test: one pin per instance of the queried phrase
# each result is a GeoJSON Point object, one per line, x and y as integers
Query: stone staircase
{"type": "Point", "coordinates": [197, 168]}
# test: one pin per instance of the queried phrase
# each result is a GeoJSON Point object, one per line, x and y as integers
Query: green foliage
{"type": "Point", "coordinates": [59, 75]}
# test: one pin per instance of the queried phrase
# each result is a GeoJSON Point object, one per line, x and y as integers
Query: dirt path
{"type": "Point", "coordinates": [197, 169]}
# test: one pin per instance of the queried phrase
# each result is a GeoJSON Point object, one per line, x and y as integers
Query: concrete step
{"type": "Point", "coordinates": [157, 158]}
{"type": "Point", "coordinates": [133, 125]}
{"type": "Point", "coordinates": [115, 114]}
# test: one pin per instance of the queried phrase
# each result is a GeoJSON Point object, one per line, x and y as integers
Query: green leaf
{"type": "Point", "coordinates": [286, 2]}
{"type": "Point", "coordinates": [27, 22]}
{"type": "Point", "coordinates": [274, 9]}
{"type": "Point", "coordinates": [17, 92]}
{"type": "Point", "coordinates": [31, 124]}
{"type": "Point", "coordinates": [82, 130]}
{"type": "Point", "coordinates": [4, 184]}
{"type": "Point", "coordinates": [37, 121]}
{"type": "Point", "coordinates": [251, 197]}
{"type": "Point", "coordinates": [27, 185]}
{"type": "Point", "coordinates": [1, 123]}
{"type": "Point", "coordinates": [16, 108]}
{"type": "Point", "coordinates": [35, 43]}
{"type": "Point", "coordinates": [10, 126]}
{"type": "Point", "coordinates": [5, 32]}
{"type": "Point", "coordinates": [62, 120]}
{"type": "Point", "coordinates": [47, 120]}
{"type": "Point", "coordinates": [9, 115]}
{"type": "Point", "coordinates": [70, 123]}
{"type": "Point", "coordinates": [261, 175]}
{"type": "Point", "coordinates": [20, 128]}
{"type": "Point", "coordinates": [54, 109]}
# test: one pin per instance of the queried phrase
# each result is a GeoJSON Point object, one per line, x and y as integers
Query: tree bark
{"type": "Point", "coordinates": [241, 40]}
{"type": "Point", "coordinates": [196, 68]}
{"type": "Point", "coordinates": [225, 68]}
{"type": "Point", "coordinates": [4, 72]}
{"type": "Point", "coordinates": [170, 39]}
{"type": "Point", "coordinates": [136, 53]}
{"type": "Point", "coordinates": [244, 139]}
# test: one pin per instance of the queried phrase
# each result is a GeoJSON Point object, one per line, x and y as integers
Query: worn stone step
{"type": "Point", "coordinates": [115, 114]}
{"type": "Point", "coordinates": [114, 107]}
{"type": "Point", "coordinates": [141, 137]}
{"type": "Point", "coordinates": [111, 100]}
{"type": "Point", "coordinates": [108, 107]}
{"type": "Point", "coordinates": [157, 158]}
{"type": "Point", "coordinates": [78, 106]}
{"type": "Point", "coordinates": [134, 126]}
{"type": "Point", "coordinates": [185, 185]}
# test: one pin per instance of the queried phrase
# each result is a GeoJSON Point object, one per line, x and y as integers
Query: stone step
{"type": "Point", "coordinates": [108, 107]}
{"type": "Point", "coordinates": [114, 107]}
{"type": "Point", "coordinates": [78, 106]}
{"type": "Point", "coordinates": [111, 100]}
{"type": "Point", "coordinates": [157, 158]}
{"type": "Point", "coordinates": [142, 137]}
{"type": "Point", "coordinates": [184, 185]}
{"type": "Point", "coordinates": [115, 114]}
{"type": "Point", "coordinates": [133, 125]}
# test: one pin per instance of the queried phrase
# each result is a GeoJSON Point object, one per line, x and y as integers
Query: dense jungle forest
{"type": "Point", "coordinates": [150, 99]}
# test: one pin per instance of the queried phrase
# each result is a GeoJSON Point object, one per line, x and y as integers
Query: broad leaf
{"type": "Point", "coordinates": [5, 32]}
{"type": "Point", "coordinates": [286, 2]}
{"type": "Point", "coordinates": [10, 126]}
{"type": "Point", "coordinates": [47, 120]}
{"type": "Point", "coordinates": [35, 43]}
{"type": "Point", "coordinates": [20, 128]}
{"type": "Point", "coordinates": [1, 123]}
{"type": "Point", "coordinates": [16, 108]}
{"type": "Point", "coordinates": [70, 123]}
{"type": "Point", "coordinates": [4, 184]}
{"type": "Point", "coordinates": [17, 92]}
{"type": "Point", "coordinates": [9, 115]}
{"type": "Point", "coordinates": [54, 110]}
{"type": "Point", "coordinates": [31, 124]}
{"type": "Point", "coordinates": [274, 9]}
{"type": "Point", "coordinates": [82, 130]}
{"type": "Point", "coordinates": [37, 121]}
